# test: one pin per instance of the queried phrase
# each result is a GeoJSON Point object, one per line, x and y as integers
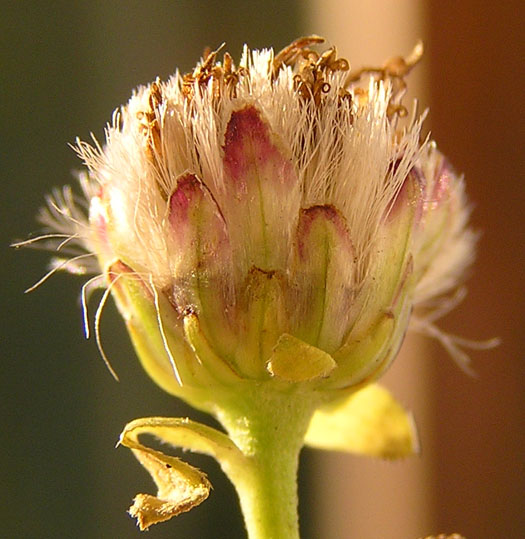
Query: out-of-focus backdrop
{"type": "Point", "coordinates": [64, 67]}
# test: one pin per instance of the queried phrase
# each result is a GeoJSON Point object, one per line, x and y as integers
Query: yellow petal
{"type": "Point", "coordinates": [180, 486]}
{"type": "Point", "coordinates": [294, 360]}
{"type": "Point", "coordinates": [368, 422]}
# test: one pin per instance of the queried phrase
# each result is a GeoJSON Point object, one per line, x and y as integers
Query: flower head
{"type": "Point", "coordinates": [274, 202]}
{"type": "Point", "coordinates": [272, 223]}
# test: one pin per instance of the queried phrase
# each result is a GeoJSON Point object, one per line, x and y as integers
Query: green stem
{"type": "Point", "coordinates": [268, 493]}
{"type": "Point", "coordinates": [270, 432]}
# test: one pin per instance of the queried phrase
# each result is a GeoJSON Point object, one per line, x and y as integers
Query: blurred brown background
{"type": "Point", "coordinates": [64, 68]}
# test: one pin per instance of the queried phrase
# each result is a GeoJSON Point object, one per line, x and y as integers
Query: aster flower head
{"type": "Point", "coordinates": [267, 228]}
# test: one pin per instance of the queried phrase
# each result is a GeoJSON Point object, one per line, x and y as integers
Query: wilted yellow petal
{"type": "Point", "coordinates": [368, 422]}
{"type": "Point", "coordinates": [294, 360]}
{"type": "Point", "coordinates": [180, 486]}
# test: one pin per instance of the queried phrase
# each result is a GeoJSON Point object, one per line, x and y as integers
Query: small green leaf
{"type": "Point", "coordinates": [215, 365]}
{"type": "Point", "coordinates": [360, 357]}
{"type": "Point", "coordinates": [154, 328]}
